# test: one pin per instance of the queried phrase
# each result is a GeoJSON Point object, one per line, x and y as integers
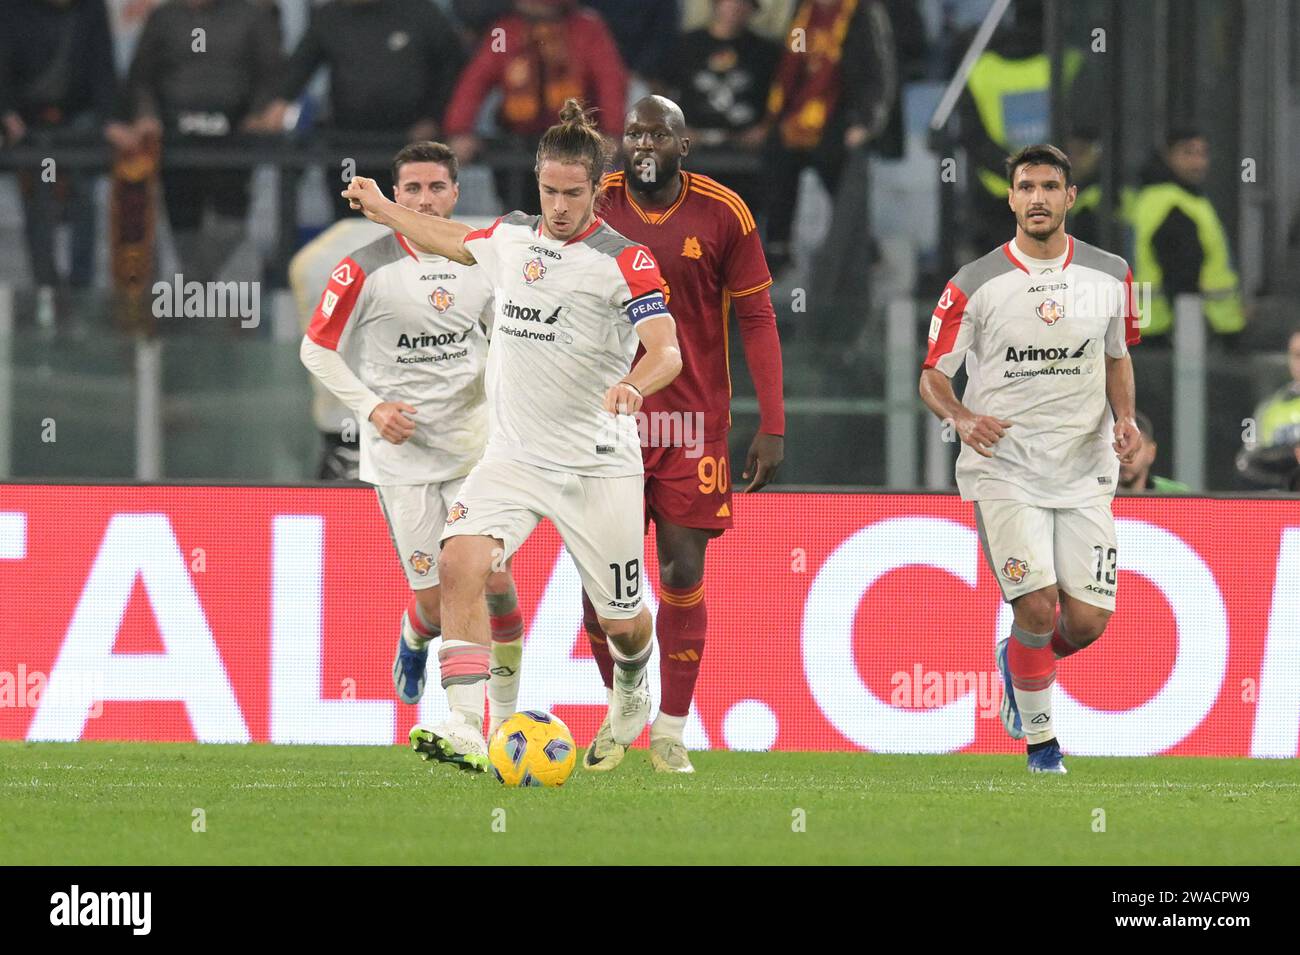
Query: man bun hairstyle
{"type": "Point", "coordinates": [426, 152]}
{"type": "Point", "coordinates": [1040, 154]}
{"type": "Point", "coordinates": [575, 139]}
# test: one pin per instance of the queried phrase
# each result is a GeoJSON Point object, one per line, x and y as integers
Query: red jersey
{"type": "Point", "coordinates": [709, 253]}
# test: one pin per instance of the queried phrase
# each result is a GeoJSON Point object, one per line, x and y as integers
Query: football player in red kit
{"type": "Point", "coordinates": [704, 238]}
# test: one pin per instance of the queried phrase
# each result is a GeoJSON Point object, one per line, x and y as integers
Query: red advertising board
{"type": "Point", "coordinates": [836, 622]}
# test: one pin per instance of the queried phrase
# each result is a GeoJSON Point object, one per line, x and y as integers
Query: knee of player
{"type": "Point", "coordinates": [458, 565]}
{"type": "Point", "coordinates": [680, 573]}
{"type": "Point", "coordinates": [1036, 611]}
{"type": "Point", "coordinates": [1087, 628]}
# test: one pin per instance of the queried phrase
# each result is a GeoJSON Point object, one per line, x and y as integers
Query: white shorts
{"type": "Point", "coordinates": [600, 519]}
{"type": "Point", "coordinates": [1029, 548]}
{"type": "Point", "coordinates": [416, 515]}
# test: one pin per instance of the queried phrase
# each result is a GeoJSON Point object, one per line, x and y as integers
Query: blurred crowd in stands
{"type": "Point", "coordinates": [795, 84]}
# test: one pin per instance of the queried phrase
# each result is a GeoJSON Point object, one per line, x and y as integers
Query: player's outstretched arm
{"type": "Point", "coordinates": [661, 363]}
{"type": "Point", "coordinates": [981, 432]}
{"type": "Point", "coordinates": [1121, 392]}
{"type": "Point", "coordinates": [439, 236]}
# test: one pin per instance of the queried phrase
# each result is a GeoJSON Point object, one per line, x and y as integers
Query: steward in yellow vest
{"type": "Point", "coordinates": [1180, 246]}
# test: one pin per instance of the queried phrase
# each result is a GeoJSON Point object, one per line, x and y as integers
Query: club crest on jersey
{"type": "Point", "coordinates": [421, 562]}
{"type": "Point", "coordinates": [342, 275]}
{"type": "Point", "coordinates": [1050, 311]}
{"type": "Point", "coordinates": [441, 299]}
{"type": "Point", "coordinates": [534, 270]}
{"type": "Point", "coordinates": [691, 248]}
{"type": "Point", "coordinates": [1015, 569]}
{"type": "Point", "coordinates": [456, 512]}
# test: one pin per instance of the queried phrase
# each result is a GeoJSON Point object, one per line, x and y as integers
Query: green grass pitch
{"type": "Point", "coordinates": [131, 803]}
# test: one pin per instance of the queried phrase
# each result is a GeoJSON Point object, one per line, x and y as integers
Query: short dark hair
{"type": "Point", "coordinates": [1182, 133]}
{"type": "Point", "coordinates": [1040, 154]}
{"type": "Point", "coordinates": [426, 152]}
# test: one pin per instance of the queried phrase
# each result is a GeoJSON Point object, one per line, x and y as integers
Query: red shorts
{"type": "Point", "coordinates": [692, 490]}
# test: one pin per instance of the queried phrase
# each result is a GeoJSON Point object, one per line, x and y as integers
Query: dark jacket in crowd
{"type": "Point", "coordinates": [1176, 242]}
{"type": "Point", "coordinates": [211, 92]}
{"type": "Point", "coordinates": [644, 31]}
{"type": "Point", "coordinates": [722, 85]}
{"type": "Point", "coordinates": [56, 61]}
{"type": "Point", "coordinates": [392, 63]}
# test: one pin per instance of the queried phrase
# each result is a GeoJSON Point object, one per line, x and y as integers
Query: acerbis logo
{"type": "Point", "coordinates": [525, 313]}
{"type": "Point", "coordinates": [1048, 288]}
{"type": "Point", "coordinates": [426, 340]}
{"type": "Point", "coordinates": [549, 252]}
{"type": "Point", "coordinates": [1036, 353]}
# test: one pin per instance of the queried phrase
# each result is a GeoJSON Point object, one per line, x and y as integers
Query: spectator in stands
{"type": "Point", "coordinates": [545, 52]}
{"type": "Point", "coordinates": [56, 77]}
{"type": "Point", "coordinates": [720, 76]}
{"type": "Point", "coordinates": [645, 33]}
{"type": "Point", "coordinates": [196, 89]}
{"type": "Point", "coordinates": [831, 94]}
{"type": "Point", "coordinates": [1084, 148]}
{"type": "Point", "coordinates": [1180, 244]}
{"type": "Point", "coordinates": [1136, 477]}
{"type": "Point", "coordinates": [771, 21]}
{"type": "Point", "coordinates": [1272, 458]}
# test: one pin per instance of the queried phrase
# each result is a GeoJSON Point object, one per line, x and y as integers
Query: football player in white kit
{"type": "Point", "coordinates": [399, 337]}
{"type": "Point", "coordinates": [572, 300]}
{"type": "Point", "coordinates": [1043, 324]}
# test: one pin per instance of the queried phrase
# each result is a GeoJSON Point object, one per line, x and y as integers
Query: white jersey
{"type": "Point", "coordinates": [1034, 335]}
{"type": "Point", "coordinates": [410, 326]}
{"type": "Point", "coordinates": [564, 316]}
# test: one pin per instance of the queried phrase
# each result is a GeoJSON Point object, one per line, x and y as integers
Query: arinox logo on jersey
{"type": "Point", "coordinates": [524, 313]}
{"type": "Point", "coordinates": [441, 299]}
{"type": "Point", "coordinates": [534, 270]}
{"type": "Point", "coordinates": [426, 340]}
{"type": "Point", "coordinates": [1050, 311]}
{"type": "Point", "coordinates": [1037, 353]}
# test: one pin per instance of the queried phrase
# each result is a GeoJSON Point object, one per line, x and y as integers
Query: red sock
{"type": "Point", "coordinates": [1032, 668]}
{"type": "Point", "coordinates": [507, 627]}
{"type": "Point", "coordinates": [1061, 646]}
{"type": "Point", "coordinates": [681, 628]}
{"type": "Point", "coordinates": [417, 622]}
{"type": "Point", "coordinates": [599, 646]}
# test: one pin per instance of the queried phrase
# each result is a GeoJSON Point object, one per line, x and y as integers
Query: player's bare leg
{"type": "Point", "coordinates": [464, 566]}
{"type": "Point", "coordinates": [1078, 626]}
{"type": "Point", "coordinates": [421, 625]}
{"type": "Point", "coordinates": [507, 629]}
{"type": "Point", "coordinates": [1032, 667]}
{"type": "Point", "coordinates": [680, 629]}
{"type": "Point", "coordinates": [631, 647]}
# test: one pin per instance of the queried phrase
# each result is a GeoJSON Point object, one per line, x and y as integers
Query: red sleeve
{"type": "Point", "coordinates": [337, 304]}
{"type": "Point", "coordinates": [476, 80]}
{"type": "Point", "coordinates": [762, 346]}
{"type": "Point", "coordinates": [1132, 317]}
{"type": "Point", "coordinates": [482, 233]}
{"type": "Point", "coordinates": [640, 271]}
{"type": "Point", "coordinates": [745, 268]}
{"type": "Point", "coordinates": [945, 323]}
{"type": "Point", "coordinates": [606, 73]}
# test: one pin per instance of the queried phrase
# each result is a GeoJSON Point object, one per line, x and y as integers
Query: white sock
{"type": "Point", "coordinates": [503, 683]}
{"type": "Point", "coordinates": [670, 727]}
{"type": "Point", "coordinates": [628, 671]}
{"type": "Point", "coordinates": [466, 702]}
